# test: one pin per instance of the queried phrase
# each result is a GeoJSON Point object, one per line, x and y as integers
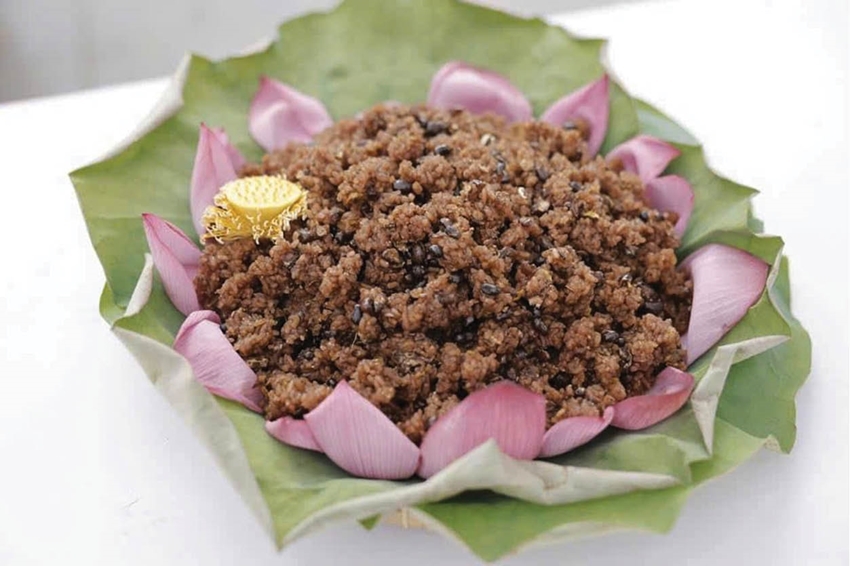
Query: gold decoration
{"type": "Point", "coordinates": [254, 207]}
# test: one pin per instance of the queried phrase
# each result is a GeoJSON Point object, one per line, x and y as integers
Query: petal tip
{"type": "Point", "coordinates": [509, 414]}
{"type": "Point", "coordinates": [216, 162]}
{"type": "Point", "coordinates": [727, 282]}
{"type": "Point", "coordinates": [214, 362]}
{"type": "Point", "coordinates": [460, 85]}
{"type": "Point", "coordinates": [570, 433]}
{"type": "Point", "coordinates": [590, 104]}
{"type": "Point", "coordinates": [293, 432]}
{"type": "Point", "coordinates": [280, 114]}
{"type": "Point", "coordinates": [645, 155]}
{"type": "Point", "coordinates": [359, 438]}
{"type": "Point", "coordinates": [672, 193]}
{"type": "Point", "coordinates": [176, 259]}
{"type": "Point", "coordinates": [667, 395]}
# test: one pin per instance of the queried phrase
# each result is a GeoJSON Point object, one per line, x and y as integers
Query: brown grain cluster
{"type": "Point", "coordinates": [442, 252]}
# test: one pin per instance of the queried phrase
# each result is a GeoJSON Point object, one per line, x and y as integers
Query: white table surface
{"type": "Point", "coordinates": [97, 469]}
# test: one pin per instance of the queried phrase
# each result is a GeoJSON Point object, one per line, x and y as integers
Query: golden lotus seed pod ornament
{"type": "Point", "coordinates": [258, 207]}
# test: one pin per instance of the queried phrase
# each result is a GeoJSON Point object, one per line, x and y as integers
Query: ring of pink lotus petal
{"type": "Point", "coordinates": [351, 431]}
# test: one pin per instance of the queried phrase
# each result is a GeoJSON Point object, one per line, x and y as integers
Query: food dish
{"type": "Point", "coordinates": [719, 223]}
{"type": "Point", "coordinates": [472, 273]}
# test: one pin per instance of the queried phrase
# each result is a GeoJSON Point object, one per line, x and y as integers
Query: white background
{"type": "Point", "coordinates": [52, 46]}
{"type": "Point", "coordinates": [96, 469]}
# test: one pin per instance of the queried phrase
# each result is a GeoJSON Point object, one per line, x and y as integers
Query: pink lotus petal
{"type": "Point", "coordinates": [571, 433]}
{"type": "Point", "coordinates": [511, 415]}
{"type": "Point", "coordinates": [672, 193]}
{"type": "Point", "coordinates": [458, 85]}
{"type": "Point", "coordinates": [359, 438]}
{"type": "Point", "coordinates": [176, 259]}
{"type": "Point", "coordinates": [236, 158]}
{"type": "Point", "coordinates": [216, 162]}
{"type": "Point", "coordinates": [727, 282]}
{"type": "Point", "coordinates": [590, 104]}
{"type": "Point", "coordinates": [645, 156]}
{"type": "Point", "coordinates": [671, 390]}
{"type": "Point", "coordinates": [214, 361]}
{"type": "Point", "coordinates": [280, 114]}
{"type": "Point", "coordinates": [294, 432]}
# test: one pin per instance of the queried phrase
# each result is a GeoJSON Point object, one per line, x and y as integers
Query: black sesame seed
{"type": "Point", "coordinates": [417, 254]}
{"type": "Point", "coordinates": [558, 381]}
{"type": "Point", "coordinates": [442, 149]}
{"type": "Point", "coordinates": [575, 186]}
{"type": "Point", "coordinates": [580, 390]}
{"type": "Point", "coordinates": [456, 278]}
{"type": "Point", "coordinates": [610, 335]}
{"type": "Point", "coordinates": [648, 292]}
{"type": "Point", "coordinates": [435, 250]}
{"type": "Point", "coordinates": [490, 289]}
{"type": "Point", "coordinates": [500, 168]}
{"type": "Point", "coordinates": [504, 315]}
{"type": "Point", "coordinates": [449, 228]}
{"type": "Point", "coordinates": [539, 325]}
{"type": "Point", "coordinates": [432, 128]}
{"type": "Point", "coordinates": [621, 341]}
{"type": "Point", "coordinates": [570, 125]}
{"type": "Point", "coordinates": [644, 215]}
{"type": "Point", "coordinates": [401, 185]}
{"type": "Point", "coordinates": [626, 278]}
{"type": "Point", "coordinates": [654, 307]}
{"type": "Point", "coordinates": [223, 328]}
{"type": "Point", "coordinates": [417, 271]}
{"type": "Point", "coordinates": [542, 173]}
{"type": "Point", "coordinates": [468, 320]}
{"type": "Point", "coordinates": [357, 314]}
